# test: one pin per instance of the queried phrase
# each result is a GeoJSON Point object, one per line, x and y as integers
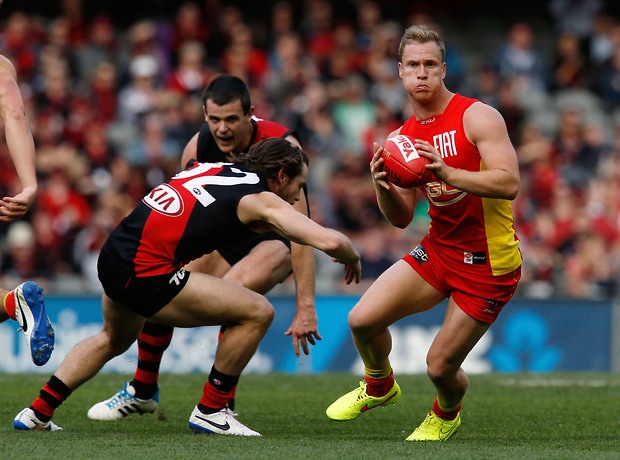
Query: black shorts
{"type": "Point", "coordinates": [144, 296]}
{"type": "Point", "coordinates": [235, 252]}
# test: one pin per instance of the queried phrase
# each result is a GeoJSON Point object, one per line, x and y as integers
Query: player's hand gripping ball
{"type": "Point", "coordinates": [403, 165]}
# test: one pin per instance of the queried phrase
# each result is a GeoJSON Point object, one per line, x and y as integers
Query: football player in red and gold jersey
{"type": "Point", "coordinates": [470, 255]}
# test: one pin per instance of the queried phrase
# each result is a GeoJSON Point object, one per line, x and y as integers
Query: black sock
{"type": "Point", "coordinates": [222, 382]}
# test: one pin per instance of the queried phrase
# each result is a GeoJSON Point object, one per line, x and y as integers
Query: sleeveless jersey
{"type": "Point", "coordinates": [208, 151]}
{"type": "Point", "coordinates": [192, 214]}
{"type": "Point", "coordinates": [482, 227]}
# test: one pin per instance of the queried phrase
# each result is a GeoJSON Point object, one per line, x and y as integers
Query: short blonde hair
{"type": "Point", "coordinates": [421, 34]}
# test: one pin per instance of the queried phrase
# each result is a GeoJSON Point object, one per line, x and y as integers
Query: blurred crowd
{"type": "Point", "coordinates": [112, 107]}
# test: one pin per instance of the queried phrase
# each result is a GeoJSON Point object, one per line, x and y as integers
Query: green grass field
{"type": "Point", "coordinates": [505, 416]}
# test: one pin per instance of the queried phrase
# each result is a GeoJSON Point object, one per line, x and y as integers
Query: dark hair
{"type": "Point", "coordinates": [224, 89]}
{"type": "Point", "coordinates": [269, 156]}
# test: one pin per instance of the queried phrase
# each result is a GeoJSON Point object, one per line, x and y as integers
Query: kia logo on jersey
{"type": "Point", "coordinates": [165, 200]}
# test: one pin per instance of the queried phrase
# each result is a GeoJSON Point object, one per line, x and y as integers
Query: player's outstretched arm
{"type": "Point", "coordinates": [19, 142]}
{"type": "Point", "coordinates": [304, 328]}
{"type": "Point", "coordinates": [266, 211]}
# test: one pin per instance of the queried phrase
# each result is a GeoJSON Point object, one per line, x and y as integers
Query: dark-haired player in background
{"type": "Point", "coordinates": [230, 129]}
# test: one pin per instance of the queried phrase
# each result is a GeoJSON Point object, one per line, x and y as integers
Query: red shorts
{"type": "Point", "coordinates": [468, 280]}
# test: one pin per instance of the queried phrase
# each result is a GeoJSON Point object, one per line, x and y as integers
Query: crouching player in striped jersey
{"type": "Point", "coordinates": [141, 268]}
{"type": "Point", "coordinates": [229, 129]}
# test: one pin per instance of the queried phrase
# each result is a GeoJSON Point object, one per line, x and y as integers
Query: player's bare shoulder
{"type": "Point", "coordinates": [7, 68]}
{"type": "Point", "coordinates": [293, 140]}
{"type": "Point", "coordinates": [480, 120]}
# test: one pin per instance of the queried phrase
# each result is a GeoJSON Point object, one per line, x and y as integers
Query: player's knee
{"type": "Point", "coordinates": [436, 373]}
{"type": "Point", "coordinates": [439, 369]}
{"type": "Point", "coordinates": [116, 344]}
{"type": "Point", "coordinates": [359, 324]}
{"type": "Point", "coordinates": [274, 260]}
{"type": "Point", "coordinates": [263, 313]}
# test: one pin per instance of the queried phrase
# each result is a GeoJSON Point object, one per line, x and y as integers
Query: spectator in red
{"type": "Point", "coordinates": [96, 146]}
{"type": "Point", "coordinates": [540, 174]}
{"type": "Point", "coordinates": [191, 74]}
{"type": "Point", "coordinates": [109, 208]}
{"type": "Point", "coordinates": [189, 25]}
{"type": "Point", "coordinates": [387, 121]}
{"type": "Point", "coordinates": [590, 271]}
{"type": "Point", "coordinates": [569, 64]}
{"type": "Point", "coordinates": [541, 261]}
{"type": "Point", "coordinates": [49, 249]}
{"type": "Point", "coordinates": [603, 207]}
{"type": "Point", "coordinates": [318, 30]}
{"type": "Point", "coordinates": [102, 92]}
{"type": "Point", "coordinates": [77, 27]}
{"type": "Point", "coordinates": [79, 115]}
{"type": "Point", "coordinates": [344, 58]}
{"type": "Point", "coordinates": [18, 43]}
{"type": "Point", "coordinates": [68, 210]}
{"type": "Point", "coordinates": [242, 57]}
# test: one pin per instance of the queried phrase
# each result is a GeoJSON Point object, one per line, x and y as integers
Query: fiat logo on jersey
{"type": "Point", "coordinates": [165, 200]}
{"type": "Point", "coordinates": [406, 147]}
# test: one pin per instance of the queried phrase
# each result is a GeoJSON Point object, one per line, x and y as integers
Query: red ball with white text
{"type": "Point", "coordinates": [403, 165]}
